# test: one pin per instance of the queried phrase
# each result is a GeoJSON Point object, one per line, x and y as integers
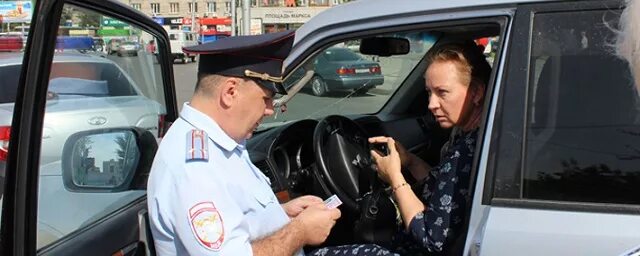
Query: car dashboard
{"type": "Point", "coordinates": [285, 155]}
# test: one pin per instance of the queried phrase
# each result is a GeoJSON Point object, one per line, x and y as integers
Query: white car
{"type": "Point", "coordinates": [102, 96]}
{"type": "Point", "coordinates": [555, 169]}
{"type": "Point", "coordinates": [100, 87]}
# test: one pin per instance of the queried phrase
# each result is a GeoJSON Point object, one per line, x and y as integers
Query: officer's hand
{"type": "Point", "coordinates": [295, 206]}
{"type": "Point", "coordinates": [317, 221]}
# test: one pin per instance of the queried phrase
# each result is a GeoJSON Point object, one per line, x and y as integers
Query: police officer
{"type": "Point", "coordinates": [205, 197]}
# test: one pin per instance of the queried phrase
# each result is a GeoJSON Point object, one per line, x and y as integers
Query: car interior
{"type": "Point", "coordinates": [330, 154]}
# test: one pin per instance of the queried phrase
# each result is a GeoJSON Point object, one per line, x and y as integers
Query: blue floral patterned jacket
{"type": "Point", "coordinates": [445, 196]}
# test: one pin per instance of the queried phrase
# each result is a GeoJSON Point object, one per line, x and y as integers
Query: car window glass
{"type": "Point", "coordinates": [340, 54]}
{"type": "Point", "coordinates": [105, 74]}
{"type": "Point", "coordinates": [349, 82]}
{"type": "Point", "coordinates": [14, 31]}
{"type": "Point", "coordinates": [583, 118]}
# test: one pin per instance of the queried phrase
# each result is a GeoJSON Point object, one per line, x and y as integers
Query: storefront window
{"type": "Point", "coordinates": [271, 28]}
{"type": "Point", "coordinates": [272, 3]}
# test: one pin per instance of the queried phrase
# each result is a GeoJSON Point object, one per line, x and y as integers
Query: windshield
{"type": "Point", "coordinates": [347, 82]}
{"type": "Point", "coordinates": [341, 54]}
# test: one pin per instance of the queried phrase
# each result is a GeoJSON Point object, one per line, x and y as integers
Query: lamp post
{"type": "Point", "coordinates": [233, 17]}
{"type": "Point", "coordinates": [193, 14]}
{"type": "Point", "coordinates": [246, 17]}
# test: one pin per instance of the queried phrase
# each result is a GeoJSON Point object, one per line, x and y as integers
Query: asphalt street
{"type": "Point", "coordinates": [304, 104]}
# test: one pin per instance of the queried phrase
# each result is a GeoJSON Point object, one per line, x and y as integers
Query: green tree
{"type": "Point", "coordinates": [67, 14]}
{"type": "Point", "coordinates": [89, 19]}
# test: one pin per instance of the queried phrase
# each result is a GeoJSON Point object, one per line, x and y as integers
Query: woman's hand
{"type": "Point", "coordinates": [389, 167]}
{"type": "Point", "coordinates": [406, 158]}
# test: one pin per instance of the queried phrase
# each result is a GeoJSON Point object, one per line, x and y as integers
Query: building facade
{"type": "Point", "coordinates": [213, 17]}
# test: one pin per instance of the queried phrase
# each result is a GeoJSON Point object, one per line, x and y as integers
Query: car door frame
{"type": "Point", "coordinates": [504, 14]}
{"type": "Point", "coordinates": [20, 198]}
{"type": "Point", "coordinates": [508, 132]}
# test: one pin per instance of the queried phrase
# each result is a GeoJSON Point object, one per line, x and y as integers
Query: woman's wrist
{"type": "Point", "coordinates": [397, 180]}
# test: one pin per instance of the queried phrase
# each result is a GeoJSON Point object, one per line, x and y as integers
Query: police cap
{"type": "Point", "coordinates": [257, 57]}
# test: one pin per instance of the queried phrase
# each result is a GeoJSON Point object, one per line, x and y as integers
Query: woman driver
{"type": "Point", "coordinates": [456, 79]}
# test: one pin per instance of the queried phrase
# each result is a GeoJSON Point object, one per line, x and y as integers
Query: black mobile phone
{"type": "Point", "coordinates": [381, 148]}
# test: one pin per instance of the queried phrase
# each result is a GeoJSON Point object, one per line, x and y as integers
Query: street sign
{"type": "Point", "coordinates": [159, 20]}
{"type": "Point", "coordinates": [113, 32]}
{"type": "Point", "coordinates": [111, 22]}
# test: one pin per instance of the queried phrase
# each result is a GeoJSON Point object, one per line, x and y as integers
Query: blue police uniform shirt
{"type": "Point", "coordinates": [205, 197]}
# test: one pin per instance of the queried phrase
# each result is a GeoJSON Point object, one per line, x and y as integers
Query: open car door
{"type": "Point", "coordinates": [79, 127]}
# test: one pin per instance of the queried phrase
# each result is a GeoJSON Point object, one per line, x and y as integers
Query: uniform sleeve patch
{"type": "Point", "coordinates": [197, 146]}
{"type": "Point", "coordinates": [206, 224]}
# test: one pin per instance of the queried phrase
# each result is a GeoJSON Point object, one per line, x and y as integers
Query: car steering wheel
{"type": "Point", "coordinates": [343, 160]}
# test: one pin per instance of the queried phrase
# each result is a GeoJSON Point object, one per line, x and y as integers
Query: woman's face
{"type": "Point", "coordinates": [449, 98]}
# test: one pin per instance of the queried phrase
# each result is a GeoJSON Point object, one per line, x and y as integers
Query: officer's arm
{"type": "Point", "coordinates": [285, 241]}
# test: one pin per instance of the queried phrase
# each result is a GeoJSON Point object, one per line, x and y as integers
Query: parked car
{"type": "Point", "coordinates": [85, 99]}
{"type": "Point", "coordinates": [555, 170]}
{"type": "Point", "coordinates": [113, 46]}
{"type": "Point", "coordinates": [101, 85]}
{"type": "Point", "coordinates": [128, 49]}
{"type": "Point", "coordinates": [340, 69]}
{"type": "Point", "coordinates": [11, 43]}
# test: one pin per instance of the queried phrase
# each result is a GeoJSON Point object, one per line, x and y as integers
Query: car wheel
{"type": "Point", "coordinates": [318, 86]}
{"type": "Point", "coordinates": [193, 58]}
{"type": "Point", "coordinates": [119, 54]}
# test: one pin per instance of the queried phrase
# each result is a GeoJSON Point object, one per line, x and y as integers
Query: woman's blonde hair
{"type": "Point", "coordinates": [469, 61]}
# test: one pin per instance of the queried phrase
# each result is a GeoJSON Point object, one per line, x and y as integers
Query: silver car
{"type": "Point", "coordinates": [104, 96]}
{"type": "Point", "coordinates": [103, 86]}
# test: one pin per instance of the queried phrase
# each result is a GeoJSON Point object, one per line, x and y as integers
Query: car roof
{"type": "Point", "coordinates": [14, 58]}
{"type": "Point", "coordinates": [372, 9]}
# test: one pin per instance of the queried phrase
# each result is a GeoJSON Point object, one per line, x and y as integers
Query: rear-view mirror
{"type": "Point", "coordinates": [384, 46]}
{"type": "Point", "coordinates": [108, 160]}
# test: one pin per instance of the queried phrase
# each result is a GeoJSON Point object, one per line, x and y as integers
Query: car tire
{"type": "Point", "coordinates": [318, 86]}
{"type": "Point", "coordinates": [193, 58]}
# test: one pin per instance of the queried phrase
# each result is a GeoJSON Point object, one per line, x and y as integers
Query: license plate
{"type": "Point", "coordinates": [362, 70]}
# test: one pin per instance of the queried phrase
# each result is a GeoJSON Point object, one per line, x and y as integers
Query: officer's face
{"type": "Point", "coordinates": [257, 103]}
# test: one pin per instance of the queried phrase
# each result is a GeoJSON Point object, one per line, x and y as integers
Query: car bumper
{"type": "Point", "coordinates": [127, 52]}
{"type": "Point", "coordinates": [347, 83]}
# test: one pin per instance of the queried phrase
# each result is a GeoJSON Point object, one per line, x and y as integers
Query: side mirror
{"type": "Point", "coordinates": [108, 160]}
{"type": "Point", "coordinates": [384, 46]}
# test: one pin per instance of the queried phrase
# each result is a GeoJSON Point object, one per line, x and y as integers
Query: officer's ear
{"type": "Point", "coordinates": [229, 90]}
